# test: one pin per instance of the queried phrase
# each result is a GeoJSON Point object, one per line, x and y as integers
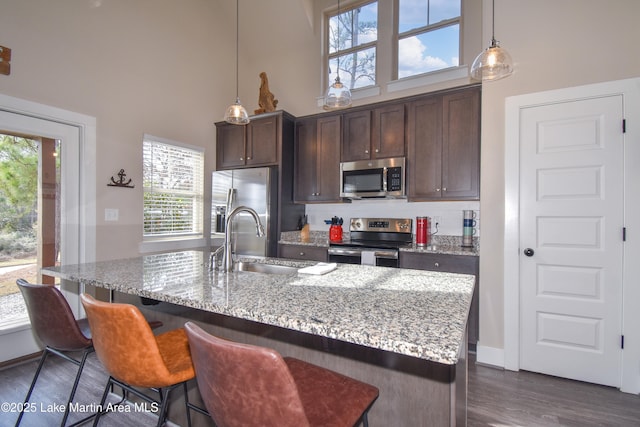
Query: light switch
{"type": "Point", "coordinates": [111, 214]}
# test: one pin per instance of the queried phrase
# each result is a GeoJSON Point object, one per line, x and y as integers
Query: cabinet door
{"type": "Point", "coordinates": [310, 253]}
{"type": "Point", "coordinates": [387, 138]}
{"type": "Point", "coordinates": [262, 142]}
{"type": "Point", "coordinates": [306, 161]}
{"type": "Point", "coordinates": [424, 149]}
{"type": "Point", "coordinates": [328, 171]}
{"type": "Point", "coordinates": [356, 136]}
{"type": "Point", "coordinates": [461, 145]}
{"type": "Point", "coordinates": [230, 147]}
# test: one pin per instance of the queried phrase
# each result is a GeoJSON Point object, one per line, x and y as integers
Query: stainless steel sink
{"type": "Point", "coordinates": [259, 267]}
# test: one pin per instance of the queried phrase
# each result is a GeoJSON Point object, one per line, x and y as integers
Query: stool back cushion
{"type": "Point", "coordinates": [124, 343]}
{"type": "Point", "coordinates": [51, 317]}
{"type": "Point", "coordinates": [242, 384]}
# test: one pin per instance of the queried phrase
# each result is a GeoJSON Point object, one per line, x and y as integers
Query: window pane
{"type": "Point", "coordinates": [356, 70]}
{"type": "Point", "coordinates": [353, 27]}
{"type": "Point", "coordinates": [173, 189]}
{"type": "Point", "coordinates": [431, 51]}
{"type": "Point", "coordinates": [421, 13]}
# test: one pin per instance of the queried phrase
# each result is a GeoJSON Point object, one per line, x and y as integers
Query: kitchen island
{"type": "Point", "coordinates": [401, 330]}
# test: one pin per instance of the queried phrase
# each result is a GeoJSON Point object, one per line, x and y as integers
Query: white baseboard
{"type": "Point", "coordinates": [490, 356]}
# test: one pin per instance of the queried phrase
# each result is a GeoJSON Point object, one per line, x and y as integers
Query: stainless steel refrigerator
{"type": "Point", "coordinates": [256, 188]}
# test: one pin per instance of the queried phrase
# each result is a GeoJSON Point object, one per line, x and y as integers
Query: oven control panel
{"type": "Point", "coordinates": [395, 225]}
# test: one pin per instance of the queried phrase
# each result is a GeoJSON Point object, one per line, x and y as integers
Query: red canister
{"type": "Point", "coordinates": [422, 230]}
{"type": "Point", "coordinates": [335, 233]}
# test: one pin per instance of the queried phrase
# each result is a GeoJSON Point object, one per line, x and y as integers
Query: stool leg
{"type": "Point", "coordinates": [104, 399]}
{"type": "Point", "coordinates": [186, 403]}
{"type": "Point", "coordinates": [45, 352]}
{"type": "Point", "coordinates": [75, 386]}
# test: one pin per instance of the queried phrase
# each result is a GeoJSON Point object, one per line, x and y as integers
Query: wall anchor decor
{"type": "Point", "coordinates": [266, 100]}
{"type": "Point", "coordinates": [121, 181]}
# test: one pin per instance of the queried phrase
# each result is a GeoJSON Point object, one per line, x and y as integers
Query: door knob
{"type": "Point", "coordinates": [528, 252]}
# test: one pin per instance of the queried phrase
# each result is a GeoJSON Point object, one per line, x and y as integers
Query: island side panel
{"type": "Point", "coordinates": [405, 399]}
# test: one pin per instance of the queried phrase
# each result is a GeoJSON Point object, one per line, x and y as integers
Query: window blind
{"type": "Point", "coordinates": [173, 181]}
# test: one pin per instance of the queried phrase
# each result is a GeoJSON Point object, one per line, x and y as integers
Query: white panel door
{"type": "Point", "coordinates": [571, 222]}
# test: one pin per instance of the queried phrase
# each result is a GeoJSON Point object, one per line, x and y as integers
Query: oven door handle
{"type": "Point", "coordinates": [391, 254]}
{"type": "Point", "coordinates": [343, 251]}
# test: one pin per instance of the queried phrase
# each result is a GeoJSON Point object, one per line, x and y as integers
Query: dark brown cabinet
{"type": "Point", "coordinates": [463, 264]}
{"type": "Point", "coordinates": [310, 253]}
{"type": "Point", "coordinates": [317, 160]}
{"type": "Point", "coordinates": [374, 134]}
{"type": "Point", "coordinates": [255, 144]}
{"type": "Point", "coordinates": [443, 145]}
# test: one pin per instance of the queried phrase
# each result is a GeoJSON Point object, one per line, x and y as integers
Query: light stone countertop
{"type": "Point", "coordinates": [416, 313]}
{"type": "Point", "coordinates": [445, 245]}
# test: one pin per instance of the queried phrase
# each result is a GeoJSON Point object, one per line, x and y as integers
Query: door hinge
{"type": "Point", "coordinates": [624, 234]}
{"type": "Point", "coordinates": [622, 342]}
{"type": "Point", "coordinates": [624, 125]}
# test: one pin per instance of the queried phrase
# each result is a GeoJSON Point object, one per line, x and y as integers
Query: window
{"type": "Point", "coordinates": [428, 36]}
{"type": "Point", "coordinates": [370, 44]}
{"type": "Point", "coordinates": [352, 43]}
{"type": "Point", "coordinates": [173, 189]}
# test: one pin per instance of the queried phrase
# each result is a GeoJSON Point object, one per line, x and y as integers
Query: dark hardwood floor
{"type": "Point", "coordinates": [497, 398]}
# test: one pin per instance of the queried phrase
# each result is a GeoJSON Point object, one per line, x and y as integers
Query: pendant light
{"type": "Point", "coordinates": [338, 95]}
{"type": "Point", "coordinates": [494, 63]}
{"type": "Point", "coordinates": [236, 114]}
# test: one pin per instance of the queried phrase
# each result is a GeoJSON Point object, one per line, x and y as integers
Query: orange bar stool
{"type": "Point", "coordinates": [134, 357]}
{"type": "Point", "coordinates": [54, 324]}
{"type": "Point", "coordinates": [243, 385]}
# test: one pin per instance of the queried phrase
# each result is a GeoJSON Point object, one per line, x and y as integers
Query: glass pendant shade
{"type": "Point", "coordinates": [492, 64]}
{"type": "Point", "coordinates": [337, 96]}
{"type": "Point", "coordinates": [236, 114]}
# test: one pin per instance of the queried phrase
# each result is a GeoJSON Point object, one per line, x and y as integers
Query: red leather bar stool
{"type": "Point", "coordinates": [56, 327]}
{"type": "Point", "coordinates": [134, 357]}
{"type": "Point", "coordinates": [247, 385]}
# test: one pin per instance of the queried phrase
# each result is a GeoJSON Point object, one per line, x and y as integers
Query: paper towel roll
{"type": "Point", "coordinates": [368, 258]}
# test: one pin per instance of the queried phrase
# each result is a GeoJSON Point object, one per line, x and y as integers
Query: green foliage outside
{"type": "Point", "coordinates": [18, 196]}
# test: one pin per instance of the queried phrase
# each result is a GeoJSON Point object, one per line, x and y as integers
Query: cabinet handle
{"type": "Point", "coordinates": [241, 159]}
{"type": "Point", "coordinates": [444, 189]}
{"type": "Point", "coordinates": [377, 151]}
{"type": "Point", "coordinates": [301, 253]}
{"type": "Point", "coordinates": [437, 189]}
{"type": "Point", "coordinates": [248, 157]}
{"type": "Point", "coordinates": [366, 151]}
{"type": "Point", "coordinates": [436, 264]}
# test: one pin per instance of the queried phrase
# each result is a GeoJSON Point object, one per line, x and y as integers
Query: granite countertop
{"type": "Point", "coordinates": [416, 313]}
{"type": "Point", "coordinates": [447, 245]}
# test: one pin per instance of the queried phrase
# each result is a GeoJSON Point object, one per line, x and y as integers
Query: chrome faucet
{"type": "Point", "coordinates": [227, 260]}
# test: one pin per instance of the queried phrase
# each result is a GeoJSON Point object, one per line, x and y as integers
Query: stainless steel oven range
{"type": "Point", "coordinates": [373, 241]}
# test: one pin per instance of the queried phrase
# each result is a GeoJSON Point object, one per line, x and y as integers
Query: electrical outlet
{"type": "Point", "coordinates": [111, 214]}
{"type": "Point", "coordinates": [435, 220]}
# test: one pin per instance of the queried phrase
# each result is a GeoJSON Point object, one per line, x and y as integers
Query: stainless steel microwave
{"type": "Point", "coordinates": [373, 178]}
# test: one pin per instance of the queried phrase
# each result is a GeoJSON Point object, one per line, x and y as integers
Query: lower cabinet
{"type": "Point", "coordinates": [462, 264]}
{"type": "Point", "coordinates": [305, 252]}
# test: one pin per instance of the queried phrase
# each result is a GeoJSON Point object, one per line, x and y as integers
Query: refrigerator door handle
{"type": "Point", "coordinates": [231, 199]}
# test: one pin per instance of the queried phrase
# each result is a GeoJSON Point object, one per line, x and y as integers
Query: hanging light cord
{"type": "Point", "coordinates": [237, 36]}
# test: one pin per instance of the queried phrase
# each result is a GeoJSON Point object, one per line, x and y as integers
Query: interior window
{"type": "Point", "coordinates": [173, 189]}
{"type": "Point", "coordinates": [352, 44]}
{"type": "Point", "coordinates": [428, 36]}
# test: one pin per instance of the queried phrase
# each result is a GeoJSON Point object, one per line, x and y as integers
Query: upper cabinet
{"type": "Point", "coordinates": [374, 134]}
{"type": "Point", "coordinates": [317, 160]}
{"type": "Point", "coordinates": [443, 145]}
{"type": "Point", "coordinates": [255, 144]}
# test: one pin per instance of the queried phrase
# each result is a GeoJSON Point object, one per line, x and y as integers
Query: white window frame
{"type": "Point", "coordinates": [181, 240]}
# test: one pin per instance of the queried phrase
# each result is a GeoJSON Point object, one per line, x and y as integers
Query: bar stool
{"type": "Point", "coordinates": [55, 326]}
{"type": "Point", "coordinates": [134, 357]}
{"type": "Point", "coordinates": [244, 385]}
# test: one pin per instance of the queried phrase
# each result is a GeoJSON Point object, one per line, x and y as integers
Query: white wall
{"type": "Point", "coordinates": [143, 66]}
